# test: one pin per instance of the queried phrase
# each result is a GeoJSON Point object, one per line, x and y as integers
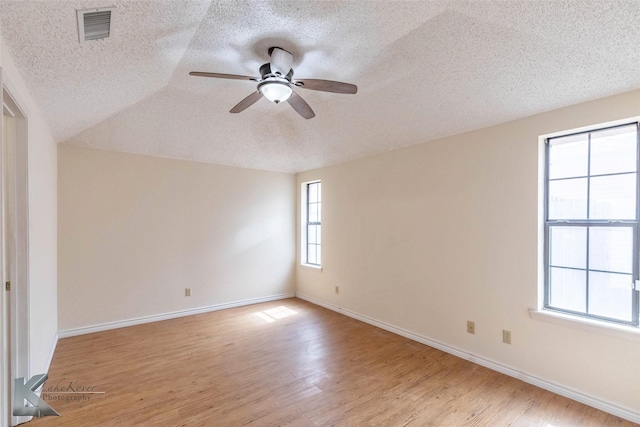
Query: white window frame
{"type": "Point", "coordinates": [552, 315]}
{"type": "Point", "coordinates": [304, 206]}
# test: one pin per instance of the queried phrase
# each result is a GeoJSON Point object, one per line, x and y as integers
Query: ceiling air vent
{"type": "Point", "coordinates": [94, 24]}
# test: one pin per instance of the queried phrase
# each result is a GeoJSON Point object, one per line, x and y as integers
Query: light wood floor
{"type": "Point", "coordinates": [288, 363]}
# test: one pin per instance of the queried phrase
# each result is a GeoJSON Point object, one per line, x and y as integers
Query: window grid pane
{"type": "Point", "coordinates": [568, 247]}
{"type": "Point", "coordinates": [609, 295]}
{"type": "Point", "coordinates": [568, 198]}
{"type": "Point", "coordinates": [591, 233]}
{"type": "Point", "coordinates": [613, 197]}
{"type": "Point", "coordinates": [568, 289]}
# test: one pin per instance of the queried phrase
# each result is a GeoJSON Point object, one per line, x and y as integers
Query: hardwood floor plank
{"type": "Point", "coordinates": [289, 363]}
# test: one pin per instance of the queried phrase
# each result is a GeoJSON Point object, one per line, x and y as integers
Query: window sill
{"type": "Point", "coordinates": [317, 268]}
{"type": "Point", "coordinates": [590, 325]}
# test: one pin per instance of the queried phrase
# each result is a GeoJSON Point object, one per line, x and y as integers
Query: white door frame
{"type": "Point", "coordinates": [15, 337]}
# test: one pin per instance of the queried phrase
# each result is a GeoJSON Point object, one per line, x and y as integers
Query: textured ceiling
{"type": "Point", "coordinates": [424, 69]}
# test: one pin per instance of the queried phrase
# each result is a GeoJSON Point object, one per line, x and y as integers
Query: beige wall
{"type": "Point", "coordinates": [42, 182]}
{"type": "Point", "coordinates": [428, 237]}
{"type": "Point", "coordinates": [135, 231]}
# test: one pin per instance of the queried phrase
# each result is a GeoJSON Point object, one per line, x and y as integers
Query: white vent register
{"type": "Point", "coordinates": [94, 24]}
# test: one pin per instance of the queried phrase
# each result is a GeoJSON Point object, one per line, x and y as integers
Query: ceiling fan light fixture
{"type": "Point", "coordinates": [275, 83]}
{"type": "Point", "coordinates": [275, 91]}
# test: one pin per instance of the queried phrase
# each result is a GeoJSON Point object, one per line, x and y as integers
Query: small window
{"type": "Point", "coordinates": [312, 232]}
{"type": "Point", "coordinates": [591, 224]}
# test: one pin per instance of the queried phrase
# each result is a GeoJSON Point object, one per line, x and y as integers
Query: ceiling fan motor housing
{"type": "Point", "coordinates": [265, 72]}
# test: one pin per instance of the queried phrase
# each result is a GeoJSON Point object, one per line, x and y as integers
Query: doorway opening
{"type": "Point", "coordinates": [14, 252]}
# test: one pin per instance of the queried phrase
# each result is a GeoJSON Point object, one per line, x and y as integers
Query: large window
{"type": "Point", "coordinates": [313, 228]}
{"type": "Point", "coordinates": [591, 224]}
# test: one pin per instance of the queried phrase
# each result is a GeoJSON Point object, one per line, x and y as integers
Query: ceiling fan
{"type": "Point", "coordinates": [275, 83]}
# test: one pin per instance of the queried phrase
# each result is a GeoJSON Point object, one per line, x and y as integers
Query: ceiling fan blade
{"type": "Point", "coordinates": [281, 61]}
{"type": "Point", "coordinates": [301, 106]}
{"type": "Point", "coordinates": [327, 86]}
{"type": "Point", "coordinates": [223, 76]}
{"type": "Point", "coordinates": [247, 102]}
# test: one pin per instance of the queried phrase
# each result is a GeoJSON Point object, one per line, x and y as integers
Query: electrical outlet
{"type": "Point", "coordinates": [187, 292]}
{"type": "Point", "coordinates": [471, 327]}
{"type": "Point", "coordinates": [506, 336]}
{"type": "Point", "coordinates": [337, 289]}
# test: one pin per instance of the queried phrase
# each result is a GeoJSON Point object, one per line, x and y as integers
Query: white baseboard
{"type": "Point", "coordinates": [594, 402]}
{"type": "Point", "coordinates": [165, 316]}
